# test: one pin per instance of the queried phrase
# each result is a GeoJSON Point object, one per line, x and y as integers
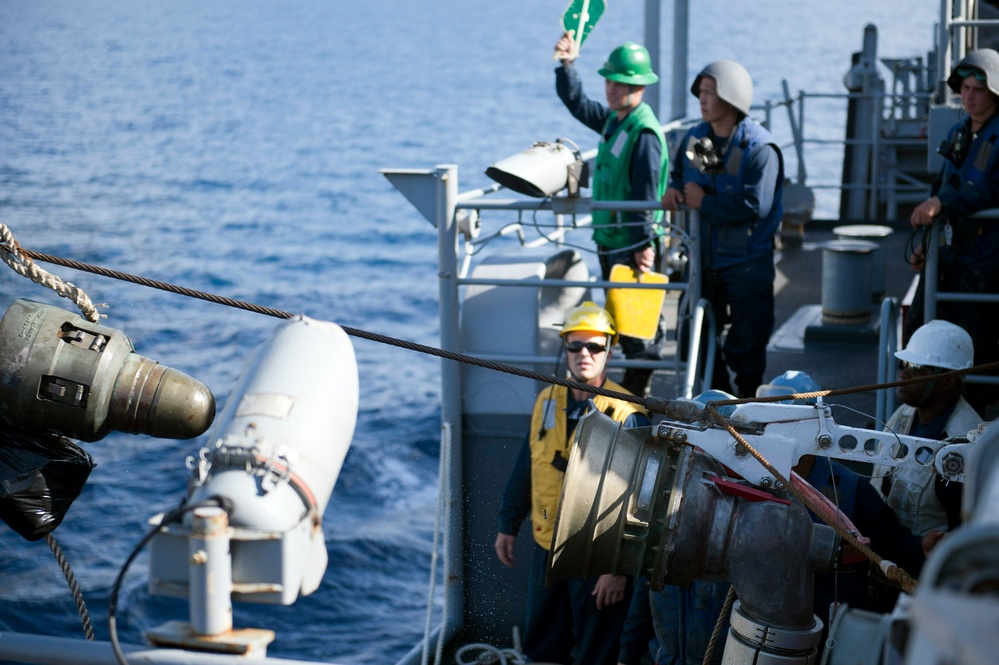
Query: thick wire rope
{"type": "Point", "coordinates": [354, 332]}
{"type": "Point", "coordinates": [651, 403]}
{"type": "Point", "coordinates": [74, 587]}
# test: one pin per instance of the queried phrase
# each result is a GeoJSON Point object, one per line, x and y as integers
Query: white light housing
{"type": "Point", "coordinates": [542, 170]}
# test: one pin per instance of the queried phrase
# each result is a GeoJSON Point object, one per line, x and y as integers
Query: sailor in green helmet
{"type": "Point", "coordinates": [631, 165]}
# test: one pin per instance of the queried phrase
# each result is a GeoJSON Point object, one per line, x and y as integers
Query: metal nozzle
{"type": "Point", "coordinates": [149, 398]}
{"type": "Point", "coordinates": [64, 374]}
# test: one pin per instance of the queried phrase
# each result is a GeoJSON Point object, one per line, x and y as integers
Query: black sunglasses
{"type": "Point", "coordinates": [592, 347]}
{"type": "Point", "coordinates": [965, 72]}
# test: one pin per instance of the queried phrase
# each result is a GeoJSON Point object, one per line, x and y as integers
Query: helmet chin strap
{"type": "Point", "coordinates": [606, 355]}
{"type": "Point", "coordinates": [927, 389]}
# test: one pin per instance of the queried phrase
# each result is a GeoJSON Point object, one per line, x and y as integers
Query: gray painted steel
{"type": "Point", "coordinates": [846, 281]}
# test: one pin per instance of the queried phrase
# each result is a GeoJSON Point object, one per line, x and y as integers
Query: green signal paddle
{"type": "Point", "coordinates": [580, 17]}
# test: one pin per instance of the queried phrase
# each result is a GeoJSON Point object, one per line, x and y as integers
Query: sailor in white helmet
{"type": "Point", "coordinates": [731, 170]}
{"type": "Point", "coordinates": [931, 410]}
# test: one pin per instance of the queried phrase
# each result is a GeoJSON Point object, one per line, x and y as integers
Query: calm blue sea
{"type": "Point", "coordinates": [234, 147]}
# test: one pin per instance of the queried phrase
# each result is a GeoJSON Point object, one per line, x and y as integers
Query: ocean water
{"type": "Point", "coordinates": [234, 147]}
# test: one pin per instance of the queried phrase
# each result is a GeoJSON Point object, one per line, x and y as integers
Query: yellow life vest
{"type": "Point", "coordinates": [553, 446]}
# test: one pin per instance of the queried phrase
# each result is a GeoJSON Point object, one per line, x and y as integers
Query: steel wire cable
{"type": "Point", "coordinates": [354, 332]}
{"type": "Point", "coordinates": [650, 403]}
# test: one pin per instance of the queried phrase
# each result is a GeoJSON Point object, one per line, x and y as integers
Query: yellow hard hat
{"type": "Point", "coordinates": [590, 317]}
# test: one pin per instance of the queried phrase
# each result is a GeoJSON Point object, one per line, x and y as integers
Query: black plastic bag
{"type": "Point", "coordinates": [40, 477]}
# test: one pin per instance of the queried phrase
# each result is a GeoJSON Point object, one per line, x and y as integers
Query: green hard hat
{"type": "Point", "coordinates": [629, 63]}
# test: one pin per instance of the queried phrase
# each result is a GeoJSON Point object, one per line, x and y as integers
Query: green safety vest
{"type": "Point", "coordinates": [612, 173]}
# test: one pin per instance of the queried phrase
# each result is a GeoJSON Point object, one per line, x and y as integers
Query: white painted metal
{"type": "Point", "coordinates": [46, 649]}
{"type": "Point", "coordinates": [275, 454]}
{"type": "Point", "coordinates": [446, 198]}
{"type": "Point", "coordinates": [790, 431]}
{"type": "Point", "coordinates": [211, 572]}
{"type": "Point", "coordinates": [680, 89]}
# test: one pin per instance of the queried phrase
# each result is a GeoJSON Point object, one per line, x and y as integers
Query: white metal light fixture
{"type": "Point", "coordinates": [542, 170]}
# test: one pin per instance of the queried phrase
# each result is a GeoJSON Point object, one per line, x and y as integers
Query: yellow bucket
{"type": "Point", "coordinates": [636, 311]}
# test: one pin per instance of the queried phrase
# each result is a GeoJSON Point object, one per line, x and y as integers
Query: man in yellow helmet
{"type": "Point", "coordinates": [631, 165]}
{"type": "Point", "coordinates": [581, 617]}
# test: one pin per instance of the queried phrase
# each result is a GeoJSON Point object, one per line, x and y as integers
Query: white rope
{"type": "Point", "coordinates": [489, 655]}
{"type": "Point", "coordinates": [447, 442]}
{"type": "Point", "coordinates": [23, 265]}
{"type": "Point", "coordinates": [443, 489]}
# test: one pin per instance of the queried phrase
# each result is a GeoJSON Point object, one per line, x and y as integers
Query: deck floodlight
{"type": "Point", "coordinates": [543, 170]}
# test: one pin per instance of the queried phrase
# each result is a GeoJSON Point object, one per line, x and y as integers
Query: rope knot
{"type": "Point", "coordinates": [23, 265]}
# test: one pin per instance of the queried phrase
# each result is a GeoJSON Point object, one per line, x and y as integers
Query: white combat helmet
{"type": "Point", "coordinates": [981, 63]}
{"type": "Point", "coordinates": [939, 344]}
{"type": "Point", "coordinates": [733, 84]}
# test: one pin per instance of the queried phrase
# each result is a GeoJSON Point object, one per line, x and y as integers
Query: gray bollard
{"type": "Point", "coordinates": [846, 281]}
{"type": "Point", "coordinates": [872, 233]}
